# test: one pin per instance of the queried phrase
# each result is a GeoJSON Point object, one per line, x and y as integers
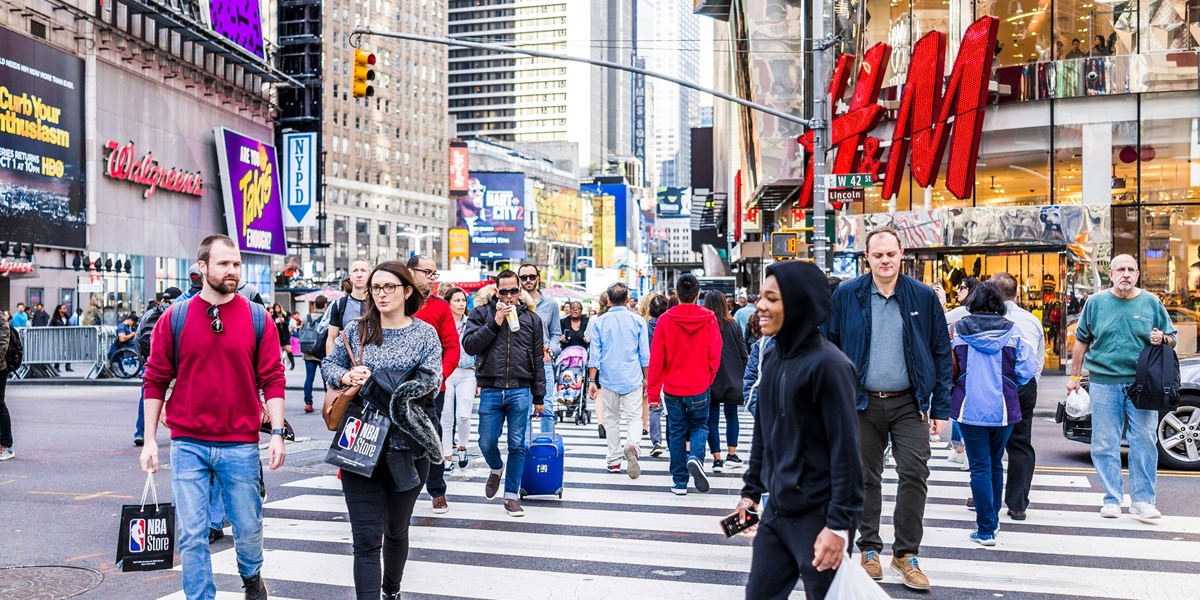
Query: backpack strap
{"type": "Point", "coordinates": [258, 316]}
{"type": "Point", "coordinates": [179, 311]}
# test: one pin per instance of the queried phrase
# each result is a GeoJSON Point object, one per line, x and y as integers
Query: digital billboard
{"type": "Point", "coordinates": [670, 202]}
{"type": "Point", "coordinates": [42, 173]}
{"type": "Point", "coordinates": [240, 21]}
{"type": "Point", "coordinates": [493, 213]}
{"type": "Point", "coordinates": [558, 214]}
{"type": "Point", "coordinates": [603, 226]}
{"type": "Point", "coordinates": [460, 165]}
{"type": "Point", "coordinates": [250, 187]}
{"type": "Point", "coordinates": [621, 208]}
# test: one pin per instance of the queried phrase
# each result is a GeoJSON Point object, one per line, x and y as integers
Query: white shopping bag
{"type": "Point", "coordinates": [852, 583]}
{"type": "Point", "coordinates": [1079, 404]}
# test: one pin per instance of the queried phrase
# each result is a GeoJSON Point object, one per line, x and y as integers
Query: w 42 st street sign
{"type": "Point", "coordinates": [853, 180]}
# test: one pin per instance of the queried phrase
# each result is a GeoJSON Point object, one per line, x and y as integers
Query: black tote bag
{"type": "Point", "coordinates": [146, 534]}
{"type": "Point", "coordinates": [360, 440]}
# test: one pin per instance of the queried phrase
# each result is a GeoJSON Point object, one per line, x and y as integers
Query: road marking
{"type": "Point", "coordinates": [85, 496]}
{"type": "Point", "coordinates": [1092, 471]}
{"type": "Point", "coordinates": [84, 557]}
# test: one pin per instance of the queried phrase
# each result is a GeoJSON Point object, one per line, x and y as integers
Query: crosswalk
{"type": "Point", "coordinates": [615, 537]}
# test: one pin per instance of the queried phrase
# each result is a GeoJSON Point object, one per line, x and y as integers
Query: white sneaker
{"type": "Point", "coordinates": [1110, 511]}
{"type": "Point", "coordinates": [966, 464]}
{"type": "Point", "coordinates": [6, 453]}
{"type": "Point", "coordinates": [957, 458]}
{"type": "Point", "coordinates": [1144, 510]}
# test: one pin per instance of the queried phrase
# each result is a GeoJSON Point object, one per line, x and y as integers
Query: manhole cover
{"type": "Point", "coordinates": [46, 582]}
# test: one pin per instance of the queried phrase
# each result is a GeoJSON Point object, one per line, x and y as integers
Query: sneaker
{"type": "Point", "coordinates": [733, 459]}
{"type": "Point", "coordinates": [462, 458]}
{"type": "Point", "coordinates": [6, 453]}
{"type": "Point", "coordinates": [870, 564]}
{"type": "Point", "coordinates": [966, 464]}
{"type": "Point", "coordinates": [718, 465]}
{"type": "Point", "coordinates": [600, 428]}
{"type": "Point", "coordinates": [657, 450]}
{"type": "Point", "coordinates": [139, 441]}
{"type": "Point", "coordinates": [631, 459]}
{"type": "Point", "coordinates": [1144, 510]}
{"type": "Point", "coordinates": [308, 408]}
{"type": "Point", "coordinates": [255, 588]}
{"type": "Point", "coordinates": [440, 506]}
{"type": "Point", "coordinates": [971, 503]}
{"type": "Point", "coordinates": [387, 596]}
{"type": "Point", "coordinates": [447, 467]}
{"type": "Point", "coordinates": [679, 491]}
{"type": "Point", "coordinates": [492, 486]}
{"type": "Point", "coordinates": [699, 479]}
{"type": "Point", "coordinates": [215, 534]}
{"type": "Point", "coordinates": [988, 541]}
{"type": "Point", "coordinates": [614, 468]}
{"type": "Point", "coordinates": [957, 458]}
{"type": "Point", "coordinates": [909, 570]}
{"type": "Point", "coordinates": [513, 508]}
{"type": "Point", "coordinates": [645, 432]}
{"type": "Point", "coordinates": [1110, 511]}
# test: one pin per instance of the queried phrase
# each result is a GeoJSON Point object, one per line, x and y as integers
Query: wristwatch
{"type": "Point", "coordinates": [280, 432]}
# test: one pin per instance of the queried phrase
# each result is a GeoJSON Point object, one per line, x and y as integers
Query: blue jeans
{"type": "Point", "coordinates": [985, 450]}
{"type": "Point", "coordinates": [956, 438]}
{"type": "Point", "coordinates": [714, 427]}
{"type": "Point", "coordinates": [656, 426]}
{"type": "Point", "coordinates": [495, 407]}
{"type": "Point", "coordinates": [310, 373]}
{"type": "Point", "coordinates": [216, 505]}
{"type": "Point", "coordinates": [139, 430]}
{"type": "Point", "coordinates": [239, 472]}
{"type": "Point", "coordinates": [1112, 413]}
{"type": "Point", "coordinates": [687, 423]}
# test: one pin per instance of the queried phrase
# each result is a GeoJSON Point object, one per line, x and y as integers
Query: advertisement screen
{"type": "Point", "coordinates": [250, 186]}
{"type": "Point", "coordinates": [558, 214]}
{"type": "Point", "coordinates": [460, 248]}
{"type": "Point", "coordinates": [41, 144]}
{"type": "Point", "coordinates": [603, 224]}
{"type": "Point", "coordinates": [670, 202]}
{"type": "Point", "coordinates": [493, 212]}
{"type": "Point", "coordinates": [622, 211]}
{"type": "Point", "coordinates": [240, 21]}
{"type": "Point", "coordinates": [460, 164]}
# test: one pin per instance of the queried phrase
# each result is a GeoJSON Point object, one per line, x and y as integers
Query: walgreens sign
{"type": "Point", "coordinates": [928, 117]}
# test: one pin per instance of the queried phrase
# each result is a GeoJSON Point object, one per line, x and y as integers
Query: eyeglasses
{"type": "Point", "coordinates": [962, 288]}
{"type": "Point", "coordinates": [430, 273]}
{"type": "Point", "coordinates": [528, 277]}
{"type": "Point", "coordinates": [509, 292]}
{"type": "Point", "coordinates": [387, 288]}
{"type": "Point", "coordinates": [215, 315]}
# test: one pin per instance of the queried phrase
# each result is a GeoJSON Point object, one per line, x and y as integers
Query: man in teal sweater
{"type": "Point", "coordinates": [1113, 329]}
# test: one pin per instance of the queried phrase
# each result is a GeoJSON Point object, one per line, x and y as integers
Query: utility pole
{"type": "Point", "coordinates": [823, 39]}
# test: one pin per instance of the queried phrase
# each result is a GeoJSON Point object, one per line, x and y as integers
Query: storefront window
{"type": "Point", "coordinates": [1170, 148]}
{"type": "Point", "coordinates": [1086, 28]}
{"type": "Point", "coordinates": [1166, 25]}
{"type": "Point", "coordinates": [1024, 34]}
{"type": "Point", "coordinates": [1014, 158]}
{"type": "Point", "coordinates": [1170, 264]}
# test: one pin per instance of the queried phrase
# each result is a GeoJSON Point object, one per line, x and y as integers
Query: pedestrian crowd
{"type": "Point", "coordinates": [839, 377]}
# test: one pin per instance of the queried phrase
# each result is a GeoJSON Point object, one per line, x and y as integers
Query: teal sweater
{"type": "Point", "coordinates": [1117, 330]}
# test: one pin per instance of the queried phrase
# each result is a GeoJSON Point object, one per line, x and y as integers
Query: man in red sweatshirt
{"type": "Point", "coordinates": [436, 312]}
{"type": "Point", "coordinates": [684, 357]}
{"type": "Point", "coordinates": [214, 414]}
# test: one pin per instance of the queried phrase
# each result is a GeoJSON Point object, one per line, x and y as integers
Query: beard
{"type": "Point", "coordinates": [228, 285]}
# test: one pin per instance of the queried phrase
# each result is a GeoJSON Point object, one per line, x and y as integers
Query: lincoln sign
{"type": "Point", "coordinates": [927, 118]}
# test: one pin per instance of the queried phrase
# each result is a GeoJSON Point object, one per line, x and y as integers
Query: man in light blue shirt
{"type": "Point", "coordinates": [744, 311]}
{"type": "Point", "coordinates": [20, 318]}
{"type": "Point", "coordinates": [615, 336]}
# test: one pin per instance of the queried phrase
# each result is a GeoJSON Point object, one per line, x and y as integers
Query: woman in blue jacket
{"type": "Point", "coordinates": [990, 361]}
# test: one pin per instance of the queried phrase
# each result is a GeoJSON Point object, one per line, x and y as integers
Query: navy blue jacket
{"type": "Point", "coordinates": [926, 339]}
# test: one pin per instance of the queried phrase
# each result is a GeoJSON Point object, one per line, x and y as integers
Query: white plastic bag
{"type": "Point", "coordinates": [852, 583]}
{"type": "Point", "coordinates": [1079, 404]}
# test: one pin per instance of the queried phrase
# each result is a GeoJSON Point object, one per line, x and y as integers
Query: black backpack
{"type": "Point", "coordinates": [16, 350]}
{"type": "Point", "coordinates": [146, 327]}
{"type": "Point", "coordinates": [1157, 384]}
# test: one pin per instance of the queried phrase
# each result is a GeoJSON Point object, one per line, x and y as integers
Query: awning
{"type": "Point", "coordinates": [776, 194]}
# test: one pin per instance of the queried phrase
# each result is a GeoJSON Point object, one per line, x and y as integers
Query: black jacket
{"type": "Point", "coordinates": [503, 358]}
{"type": "Point", "coordinates": [727, 387]}
{"type": "Point", "coordinates": [805, 444]}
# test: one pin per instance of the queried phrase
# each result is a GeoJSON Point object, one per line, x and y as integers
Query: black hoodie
{"type": "Point", "coordinates": [805, 445]}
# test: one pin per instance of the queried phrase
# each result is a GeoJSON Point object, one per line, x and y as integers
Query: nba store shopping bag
{"type": "Point", "coordinates": [360, 440]}
{"type": "Point", "coordinates": [146, 537]}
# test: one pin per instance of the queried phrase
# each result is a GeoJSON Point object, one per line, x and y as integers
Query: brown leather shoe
{"type": "Point", "coordinates": [909, 571]}
{"type": "Point", "coordinates": [870, 564]}
{"type": "Point", "coordinates": [513, 508]}
{"type": "Point", "coordinates": [492, 487]}
{"type": "Point", "coordinates": [440, 506]}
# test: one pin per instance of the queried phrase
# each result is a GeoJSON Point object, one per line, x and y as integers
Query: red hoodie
{"type": "Point", "coordinates": [685, 353]}
{"type": "Point", "coordinates": [436, 312]}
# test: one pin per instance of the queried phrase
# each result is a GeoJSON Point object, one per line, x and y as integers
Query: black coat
{"type": "Point", "coordinates": [727, 387]}
{"type": "Point", "coordinates": [505, 358]}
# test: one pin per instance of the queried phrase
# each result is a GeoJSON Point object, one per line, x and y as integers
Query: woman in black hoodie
{"type": "Point", "coordinates": [805, 446]}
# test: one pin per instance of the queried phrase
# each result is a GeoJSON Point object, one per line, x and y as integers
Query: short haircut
{"type": "Point", "coordinates": [688, 288]}
{"type": "Point", "coordinates": [531, 266]}
{"type": "Point", "coordinates": [658, 305]}
{"type": "Point", "coordinates": [206, 245]}
{"type": "Point", "coordinates": [1006, 284]}
{"type": "Point", "coordinates": [505, 274]}
{"type": "Point", "coordinates": [414, 261]}
{"type": "Point", "coordinates": [986, 299]}
{"type": "Point", "coordinates": [20, 305]}
{"type": "Point", "coordinates": [618, 293]}
{"type": "Point", "coordinates": [321, 302]}
{"type": "Point", "coordinates": [834, 282]}
{"type": "Point", "coordinates": [884, 231]}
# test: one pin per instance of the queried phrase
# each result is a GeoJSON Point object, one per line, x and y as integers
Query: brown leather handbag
{"type": "Point", "coordinates": [338, 399]}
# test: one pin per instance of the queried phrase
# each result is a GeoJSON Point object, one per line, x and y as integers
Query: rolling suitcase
{"type": "Point", "coordinates": [543, 475]}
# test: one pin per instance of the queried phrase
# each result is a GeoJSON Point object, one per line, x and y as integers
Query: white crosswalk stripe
{"type": "Point", "coordinates": [615, 537]}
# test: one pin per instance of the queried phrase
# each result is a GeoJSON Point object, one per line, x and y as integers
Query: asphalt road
{"type": "Point", "coordinates": [76, 466]}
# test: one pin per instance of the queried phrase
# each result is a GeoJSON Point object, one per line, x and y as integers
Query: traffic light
{"type": "Point", "coordinates": [364, 72]}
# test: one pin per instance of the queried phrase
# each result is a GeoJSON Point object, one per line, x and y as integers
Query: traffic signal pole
{"type": "Point", "coordinates": [822, 19]}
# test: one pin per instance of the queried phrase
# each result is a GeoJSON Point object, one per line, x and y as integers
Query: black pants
{"type": "Point", "coordinates": [898, 417]}
{"type": "Point", "coordinates": [1021, 457]}
{"type": "Point", "coordinates": [783, 553]}
{"type": "Point", "coordinates": [436, 486]}
{"type": "Point", "coordinates": [5, 421]}
{"type": "Point", "coordinates": [379, 517]}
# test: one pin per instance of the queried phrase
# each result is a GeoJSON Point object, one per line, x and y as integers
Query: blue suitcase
{"type": "Point", "coordinates": [543, 475]}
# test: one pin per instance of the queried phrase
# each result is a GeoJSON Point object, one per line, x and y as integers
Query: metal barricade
{"type": "Point", "coordinates": [46, 346]}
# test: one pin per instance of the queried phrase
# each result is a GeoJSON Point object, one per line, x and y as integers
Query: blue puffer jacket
{"type": "Point", "coordinates": [750, 377]}
{"type": "Point", "coordinates": [926, 339]}
{"type": "Point", "coordinates": [993, 361]}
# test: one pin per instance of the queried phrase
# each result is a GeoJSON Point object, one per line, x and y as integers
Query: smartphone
{"type": "Point", "coordinates": [731, 527]}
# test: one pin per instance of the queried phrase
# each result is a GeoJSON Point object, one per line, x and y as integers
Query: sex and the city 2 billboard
{"type": "Point", "coordinates": [493, 213]}
{"type": "Point", "coordinates": [250, 188]}
{"type": "Point", "coordinates": [42, 173]}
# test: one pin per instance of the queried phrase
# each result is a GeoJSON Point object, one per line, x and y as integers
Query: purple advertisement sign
{"type": "Point", "coordinates": [240, 21]}
{"type": "Point", "coordinates": [250, 186]}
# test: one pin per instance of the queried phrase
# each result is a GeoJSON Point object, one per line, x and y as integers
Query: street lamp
{"type": "Point", "coordinates": [417, 237]}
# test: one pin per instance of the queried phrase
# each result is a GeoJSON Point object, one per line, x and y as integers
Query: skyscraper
{"type": "Point", "coordinates": [669, 36]}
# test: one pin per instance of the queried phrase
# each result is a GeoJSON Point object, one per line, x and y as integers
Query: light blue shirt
{"type": "Point", "coordinates": [743, 315]}
{"type": "Point", "coordinates": [620, 349]}
{"type": "Point", "coordinates": [20, 319]}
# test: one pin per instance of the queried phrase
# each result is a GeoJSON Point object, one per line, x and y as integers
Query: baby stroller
{"type": "Point", "coordinates": [570, 386]}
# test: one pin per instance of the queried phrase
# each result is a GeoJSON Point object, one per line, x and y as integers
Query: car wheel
{"type": "Point", "coordinates": [1179, 436]}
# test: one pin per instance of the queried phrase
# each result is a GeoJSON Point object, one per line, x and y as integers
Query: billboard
{"type": "Point", "coordinates": [460, 248]}
{"type": "Point", "coordinates": [240, 22]}
{"type": "Point", "coordinates": [621, 208]}
{"type": "Point", "coordinates": [300, 178]}
{"type": "Point", "coordinates": [250, 187]}
{"type": "Point", "coordinates": [493, 213]}
{"type": "Point", "coordinates": [557, 214]}
{"type": "Point", "coordinates": [460, 165]}
{"type": "Point", "coordinates": [670, 202]}
{"type": "Point", "coordinates": [603, 234]}
{"type": "Point", "coordinates": [42, 173]}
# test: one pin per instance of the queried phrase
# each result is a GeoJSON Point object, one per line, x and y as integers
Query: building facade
{"type": "Point", "coordinates": [669, 35]}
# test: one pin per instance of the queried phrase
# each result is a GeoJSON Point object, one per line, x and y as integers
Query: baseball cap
{"type": "Point", "coordinates": [171, 293]}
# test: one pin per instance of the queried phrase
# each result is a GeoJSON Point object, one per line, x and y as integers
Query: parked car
{"type": "Point", "coordinates": [1178, 430]}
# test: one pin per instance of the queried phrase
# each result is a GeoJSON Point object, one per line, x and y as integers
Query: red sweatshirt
{"type": "Point", "coordinates": [436, 312]}
{"type": "Point", "coordinates": [216, 396]}
{"type": "Point", "coordinates": [686, 352]}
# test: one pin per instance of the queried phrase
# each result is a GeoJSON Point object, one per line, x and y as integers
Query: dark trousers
{"type": "Point", "coordinates": [436, 486]}
{"type": "Point", "coordinates": [714, 426]}
{"type": "Point", "coordinates": [1021, 457]}
{"type": "Point", "coordinates": [379, 517]}
{"type": "Point", "coordinates": [898, 417]}
{"type": "Point", "coordinates": [5, 421]}
{"type": "Point", "coordinates": [783, 553]}
{"type": "Point", "coordinates": [985, 449]}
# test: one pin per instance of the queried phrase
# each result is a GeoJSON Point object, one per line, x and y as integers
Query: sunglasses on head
{"type": "Point", "coordinates": [509, 292]}
{"type": "Point", "coordinates": [215, 315]}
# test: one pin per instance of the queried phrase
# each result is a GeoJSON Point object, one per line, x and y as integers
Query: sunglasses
{"type": "Point", "coordinates": [509, 292]}
{"type": "Point", "coordinates": [528, 277]}
{"type": "Point", "coordinates": [215, 315]}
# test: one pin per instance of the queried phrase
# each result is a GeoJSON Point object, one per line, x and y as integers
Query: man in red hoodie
{"type": "Point", "coordinates": [436, 312]}
{"type": "Point", "coordinates": [684, 357]}
{"type": "Point", "coordinates": [219, 368]}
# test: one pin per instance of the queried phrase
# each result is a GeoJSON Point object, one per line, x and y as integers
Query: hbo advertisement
{"type": "Point", "coordinates": [41, 144]}
{"type": "Point", "coordinates": [493, 212]}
